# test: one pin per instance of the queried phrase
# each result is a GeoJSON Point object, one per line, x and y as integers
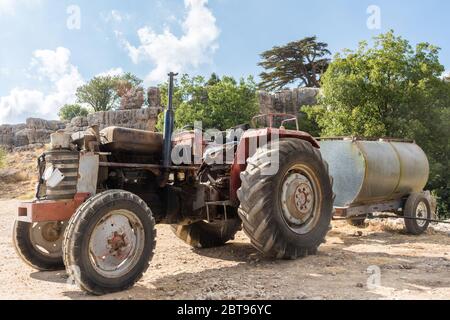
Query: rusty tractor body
{"type": "Point", "coordinates": [101, 193]}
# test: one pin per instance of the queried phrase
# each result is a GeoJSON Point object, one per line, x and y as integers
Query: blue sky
{"type": "Point", "coordinates": [42, 60]}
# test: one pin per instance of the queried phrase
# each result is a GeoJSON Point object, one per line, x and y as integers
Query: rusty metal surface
{"type": "Point", "coordinates": [131, 140]}
{"type": "Point", "coordinates": [368, 172]}
{"type": "Point", "coordinates": [88, 173]}
{"type": "Point", "coordinates": [348, 212]}
{"type": "Point", "coordinates": [244, 150]}
{"type": "Point", "coordinates": [42, 211]}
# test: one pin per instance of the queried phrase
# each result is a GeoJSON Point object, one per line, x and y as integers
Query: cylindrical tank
{"type": "Point", "coordinates": [366, 172]}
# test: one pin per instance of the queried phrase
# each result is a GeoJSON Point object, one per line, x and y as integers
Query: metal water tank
{"type": "Point", "coordinates": [375, 171]}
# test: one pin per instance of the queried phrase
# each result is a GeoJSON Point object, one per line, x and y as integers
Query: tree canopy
{"type": "Point", "coordinates": [302, 62]}
{"type": "Point", "coordinates": [70, 111]}
{"type": "Point", "coordinates": [102, 93]}
{"type": "Point", "coordinates": [391, 90]}
{"type": "Point", "coordinates": [220, 103]}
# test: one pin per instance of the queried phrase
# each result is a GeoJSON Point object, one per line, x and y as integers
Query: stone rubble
{"type": "Point", "coordinates": [287, 101]}
{"type": "Point", "coordinates": [38, 131]}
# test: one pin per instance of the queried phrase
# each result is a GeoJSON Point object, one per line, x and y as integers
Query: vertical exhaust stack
{"type": "Point", "coordinates": [169, 124]}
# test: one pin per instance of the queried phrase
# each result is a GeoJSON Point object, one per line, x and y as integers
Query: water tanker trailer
{"type": "Point", "coordinates": [379, 175]}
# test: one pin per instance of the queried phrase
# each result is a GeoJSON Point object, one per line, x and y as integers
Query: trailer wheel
{"type": "Point", "coordinates": [287, 214]}
{"type": "Point", "coordinates": [109, 242]}
{"type": "Point", "coordinates": [40, 244]}
{"type": "Point", "coordinates": [417, 206]}
{"type": "Point", "coordinates": [208, 235]}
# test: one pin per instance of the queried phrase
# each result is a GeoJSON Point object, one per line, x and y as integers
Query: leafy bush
{"type": "Point", "coordinates": [219, 103]}
{"type": "Point", "coordinates": [70, 111]}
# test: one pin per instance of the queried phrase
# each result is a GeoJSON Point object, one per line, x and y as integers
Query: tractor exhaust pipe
{"type": "Point", "coordinates": [168, 125]}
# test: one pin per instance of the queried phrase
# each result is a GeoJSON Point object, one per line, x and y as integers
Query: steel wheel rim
{"type": "Point", "coordinates": [300, 199]}
{"type": "Point", "coordinates": [421, 213]}
{"type": "Point", "coordinates": [116, 243]}
{"type": "Point", "coordinates": [46, 238]}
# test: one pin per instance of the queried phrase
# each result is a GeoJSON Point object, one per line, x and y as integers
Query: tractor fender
{"type": "Point", "coordinates": [260, 137]}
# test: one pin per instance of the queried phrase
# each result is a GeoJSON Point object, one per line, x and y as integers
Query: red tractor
{"type": "Point", "coordinates": [101, 193]}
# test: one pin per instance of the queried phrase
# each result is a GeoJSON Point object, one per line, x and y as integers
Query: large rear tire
{"type": "Point", "coordinates": [109, 242]}
{"type": "Point", "coordinates": [208, 235]}
{"type": "Point", "coordinates": [287, 214]}
{"type": "Point", "coordinates": [40, 244]}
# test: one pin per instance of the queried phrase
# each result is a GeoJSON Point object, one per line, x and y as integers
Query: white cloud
{"type": "Point", "coordinates": [52, 64]}
{"type": "Point", "coordinates": [179, 54]}
{"type": "Point", "coordinates": [9, 7]}
{"type": "Point", "coordinates": [111, 72]}
{"type": "Point", "coordinates": [64, 79]}
{"type": "Point", "coordinates": [115, 16]}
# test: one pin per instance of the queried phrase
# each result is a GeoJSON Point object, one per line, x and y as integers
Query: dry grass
{"type": "Point", "coordinates": [386, 225]}
{"type": "Point", "coordinates": [21, 184]}
{"type": "Point", "coordinates": [2, 157]}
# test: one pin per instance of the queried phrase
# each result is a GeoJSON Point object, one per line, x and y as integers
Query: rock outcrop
{"type": "Point", "coordinates": [143, 119]}
{"type": "Point", "coordinates": [132, 99]}
{"type": "Point", "coordinates": [35, 131]}
{"type": "Point", "coordinates": [38, 131]}
{"type": "Point", "coordinates": [287, 101]}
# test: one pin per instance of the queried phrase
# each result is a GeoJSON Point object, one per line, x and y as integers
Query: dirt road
{"type": "Point", "coordinates": [410, 267]}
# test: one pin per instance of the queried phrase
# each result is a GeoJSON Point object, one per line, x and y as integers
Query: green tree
{"type": "Point", "coordinates": [70, 111]}
{"type": "Point", "coordinates": [102, 93]}
{"type": "Point", "coordinates": [218, 103]}
{"type": "Point", "coordinates": [302, 62]}
{"type": "Point", "coordinates": [131, 78]}
{"type": "Point", "coordinates": [390, 90]}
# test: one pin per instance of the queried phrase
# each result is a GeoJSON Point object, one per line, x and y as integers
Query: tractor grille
{"type": "Point", "coordinates": [67, 162]}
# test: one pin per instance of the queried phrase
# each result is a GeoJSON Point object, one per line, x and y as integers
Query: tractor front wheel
{"type": "Point", "coordinates": [40, 244]}
{"type": "Point", "coordinates": [109, 242]}
{"type": "Point", "coordinates": [286, 199]}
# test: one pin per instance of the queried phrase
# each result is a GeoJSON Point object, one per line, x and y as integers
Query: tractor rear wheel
{"type": "Point", "coordinates": [208, 235]}
{"type": "Point", "coordinates": [40, 244]}
{"type": "Point", "coordinates": [286, 213]}
{"type": "Point", "coordinates": [109, 242]}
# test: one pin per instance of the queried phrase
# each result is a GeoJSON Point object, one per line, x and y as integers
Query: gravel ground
{"type": "Point", "coordinates": [410, 268]}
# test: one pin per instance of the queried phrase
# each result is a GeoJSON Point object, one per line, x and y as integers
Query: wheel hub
{"type": "Point", "coordinates": [297, 199]}
{"type": "Point", "coordinates": [46, 237]}
{"type": "Point", "coordinates": [51, 232]}
{"type": "Point", "coordinates": [116, 242]}
{"type": "Point", "coordinates": [421, 213]}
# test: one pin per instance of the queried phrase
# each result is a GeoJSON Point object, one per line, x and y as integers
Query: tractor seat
{"type": "Point", "coordinates": [118, 139]}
